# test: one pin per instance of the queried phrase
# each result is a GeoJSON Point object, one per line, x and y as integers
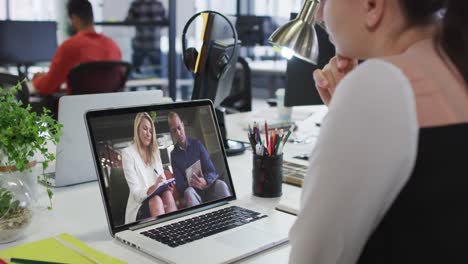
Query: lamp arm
{"type": "Point", "coordinates": [308, 11]}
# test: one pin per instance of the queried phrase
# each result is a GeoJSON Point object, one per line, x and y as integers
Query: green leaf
{"type": "Point", "coordinates": [15, 204]}
{"type": "Point", "coordinates": [22, 134]}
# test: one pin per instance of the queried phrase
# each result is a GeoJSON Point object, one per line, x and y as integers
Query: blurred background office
{"type": "Point", "coordinates": [161, 66]}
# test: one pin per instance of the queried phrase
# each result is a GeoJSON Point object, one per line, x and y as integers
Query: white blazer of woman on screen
{"type": "Point", "coordinates": [144, 171]}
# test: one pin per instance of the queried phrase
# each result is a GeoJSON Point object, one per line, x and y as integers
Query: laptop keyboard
{"type": "Point", "coordinates": [205, 225]}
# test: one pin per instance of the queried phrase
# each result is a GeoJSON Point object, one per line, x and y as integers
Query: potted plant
{"type": "Point", "coordinates": [15, 210]}
{"type": "Point", "coordinates": [23, 135]}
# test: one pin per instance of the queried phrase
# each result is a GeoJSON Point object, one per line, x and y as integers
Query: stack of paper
{"type": "Point", "coordinates": [195, 168]}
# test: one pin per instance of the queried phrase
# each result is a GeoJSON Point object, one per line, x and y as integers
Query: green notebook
{"type": "Point", "coordinates": [50, 249]}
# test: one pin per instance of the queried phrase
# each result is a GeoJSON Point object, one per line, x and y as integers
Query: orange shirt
{"type": "Point", "coordinates": [85, 46]}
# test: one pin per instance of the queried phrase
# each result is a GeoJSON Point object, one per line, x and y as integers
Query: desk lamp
{"type": "Point", "coordinates": [298, 37]}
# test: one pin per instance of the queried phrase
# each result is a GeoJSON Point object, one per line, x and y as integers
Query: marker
{"type": "Point", "coordinates": [266, 137]}
{"type": "Point", "coordinates": [278, 141]}
{"type": "Point", "coordinates": [259, 149]}
{"type": "Point", "coordinates": [288, 134]}
{"type": "Point", "coordinates": [29, 261]}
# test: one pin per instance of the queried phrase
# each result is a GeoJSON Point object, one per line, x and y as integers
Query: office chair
{"type": "Point", "coordinates": [118, 194]}
{"type": "Point", "coordinates": [240, 98]}
{"type": "Point", "coordinates": [99, 77]}
{"type": "Point", "coordinates": [9, 80]}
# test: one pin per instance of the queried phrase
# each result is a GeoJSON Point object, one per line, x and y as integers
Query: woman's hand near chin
{"type": "Point", "coordinates": [327, 79]}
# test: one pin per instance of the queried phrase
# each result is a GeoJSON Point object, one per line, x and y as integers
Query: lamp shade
{"type": "Point", "coordinates": [298, 37]}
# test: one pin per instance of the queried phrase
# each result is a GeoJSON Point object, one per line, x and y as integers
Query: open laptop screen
{"type": "Point", "coordinates": [155, 161]}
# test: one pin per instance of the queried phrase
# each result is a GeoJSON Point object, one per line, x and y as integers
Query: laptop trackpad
{"type": "Point", "coordinates": [247, 238]}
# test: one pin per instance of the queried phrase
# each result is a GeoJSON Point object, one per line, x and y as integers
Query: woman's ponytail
{"type": "Point", "coordinates": [454, 34]}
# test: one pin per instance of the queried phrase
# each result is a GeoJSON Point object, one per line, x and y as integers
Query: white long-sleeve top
{"type": "Point", "coordinates": [363, 157]}
{"type": "Point", "coordinates": [139, 177]}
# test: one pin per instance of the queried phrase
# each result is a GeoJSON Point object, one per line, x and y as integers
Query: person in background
{"type": "Point", "coordinates": [143, 170]}
{"type": "Point", "coordinates": [87, 45]}
{"type": "Point", "coordinates": [387, 179]}
{"type": "Point", "coordinates": [204, 185]}
{"type": "Point", "coordinates": [146, 43]}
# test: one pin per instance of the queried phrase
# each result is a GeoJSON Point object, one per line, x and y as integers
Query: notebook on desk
{"type": "Point", "coordinates": [62, 248]}
{"type": "Point", "coordinates": [74, 162]}
{"type": "Point", "coordinates": [221, 229]}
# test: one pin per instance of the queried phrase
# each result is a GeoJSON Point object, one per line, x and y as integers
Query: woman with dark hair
{"type": "Point", "coordinates": [387, 181]}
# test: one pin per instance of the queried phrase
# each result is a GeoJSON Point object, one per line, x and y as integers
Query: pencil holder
{"type": "Point", "coordinates": [267, 175]}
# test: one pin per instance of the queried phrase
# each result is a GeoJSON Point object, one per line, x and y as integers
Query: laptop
{"type": "Point", "coordinates": [221, 229]}
{"type": "Point", "coordinates": [74, 163]}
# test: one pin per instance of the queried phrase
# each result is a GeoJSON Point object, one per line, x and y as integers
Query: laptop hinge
{"type": "Point", "coordinates": [168, 218]}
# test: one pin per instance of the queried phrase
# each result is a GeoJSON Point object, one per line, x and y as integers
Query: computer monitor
{"type": "Point", "coordinates": [300, 84]}
{"type": "Point", "coordinates": [213, 74]}
{"type": "Point", "coordinates": [27, 42]}
{"type": "Point", "coordinates": [254, 30]}
{"type": "Point", "coordinates": [208, 84]}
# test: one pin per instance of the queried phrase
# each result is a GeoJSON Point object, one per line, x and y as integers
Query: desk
{"type": "Point", "coordinates": [306, 118]}
{"type": "Point", "coordinates": [164, 82]}
{"type": "Point", "coordinates": [79, 211]}
{"type": "Point", "coordinates": [33, 91]}
{"type": "Point", "coordinates": [268, 67]}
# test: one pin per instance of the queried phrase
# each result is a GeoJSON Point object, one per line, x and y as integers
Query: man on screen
{"type": "Point", "coordinates": [193, 169]}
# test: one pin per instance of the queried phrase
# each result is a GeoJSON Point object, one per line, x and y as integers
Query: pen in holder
{"type": "Point", "coordinates": [267, 173]}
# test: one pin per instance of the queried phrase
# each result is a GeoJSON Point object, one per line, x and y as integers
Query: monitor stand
{"type": "Point", "coordinates": [232, 147]}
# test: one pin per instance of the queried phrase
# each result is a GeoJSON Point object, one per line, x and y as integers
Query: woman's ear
{"type": "Point", "coordinates": [319, 15]}
{"type": "Point", "coordinates": [373, 12]}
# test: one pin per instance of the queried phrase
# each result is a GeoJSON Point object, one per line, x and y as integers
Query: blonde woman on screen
{"type": "Point", "coordinates": [387, 179]}
{"type": "Point", "coordinates": [144, 171]}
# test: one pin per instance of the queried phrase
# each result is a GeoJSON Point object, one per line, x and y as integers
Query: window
{"type": "Point", "coordinates": [225, 7]}
{"type": "Point", "coordinates": [276, 8]}
{"type": "Point", "coordinates": [41, 9]}
{"type": "Point", "coordinates": [32, 10]}
{"type": "Point", "coordinates": [3, 9]}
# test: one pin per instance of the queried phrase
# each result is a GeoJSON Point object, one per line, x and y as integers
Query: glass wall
{"type": "Point", "coordinates": [225, 7]}
{"type": "Point", "coordinates": [39, 9]}
{"type": "Point", "coordinates": [276, 8]}
{"type": "Point", "coordinates": [3, 9]}
{"type": "Point", "coordinates": [36, 10]}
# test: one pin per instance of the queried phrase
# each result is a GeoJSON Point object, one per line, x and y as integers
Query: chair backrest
{"type": "Point", "coordinates": [9, 80]}
{"type": "Point", "coordinates": [99, 77]}
{"type": "Point", "coordinates": [118, 194]}
{"type": "Point", "coordinates": [240, 98]}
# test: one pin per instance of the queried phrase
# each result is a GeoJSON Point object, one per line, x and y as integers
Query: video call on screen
{"type": "Point", "coordinates": [197, 168]}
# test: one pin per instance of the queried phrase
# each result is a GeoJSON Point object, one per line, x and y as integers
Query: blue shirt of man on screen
{"type": "Point", "coordinates": [204, 185]}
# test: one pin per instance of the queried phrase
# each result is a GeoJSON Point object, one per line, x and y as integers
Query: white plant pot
{"type": "Point", "coordinates": [15, 220]}
{"type": "Point", "coordinates": [28, 177]}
